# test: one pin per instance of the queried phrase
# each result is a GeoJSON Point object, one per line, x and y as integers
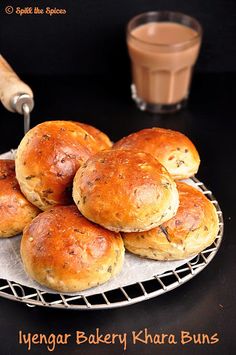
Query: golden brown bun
{"type": "Point", "coordinates": [125, 190]}
{"type": "Point", "coordinates": [194, 227]}
{"type": "Point", "coordinates": [47, 159]}
{"type": "Point", "coordinates": [64, 251]}
{"type": "Point", "coordinates": [15, 211]}
{"type": "Point", "coordinates": [100, 137]}
{"type": "Point", "coordinates": [173, 150]}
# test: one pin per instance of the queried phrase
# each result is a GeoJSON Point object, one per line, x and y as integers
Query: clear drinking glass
{"type": "Point", "coordinates": [163, 48]}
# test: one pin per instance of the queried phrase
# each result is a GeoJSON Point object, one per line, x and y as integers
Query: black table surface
{"type": "Point", "coordinates": [204, 305]}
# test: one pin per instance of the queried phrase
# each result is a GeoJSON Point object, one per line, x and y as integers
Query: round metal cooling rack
{"type": "Point", "coordinates": [126, 295]}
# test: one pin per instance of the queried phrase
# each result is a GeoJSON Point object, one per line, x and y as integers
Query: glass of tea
{"type": "Point", "coordinates": [163, 48]}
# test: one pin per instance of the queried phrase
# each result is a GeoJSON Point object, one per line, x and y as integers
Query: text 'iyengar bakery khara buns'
{"type": "Point", "coordinates": [173, 150]}
{"type": "Point", "coordinates": [15, 211]}
{"type": "Point", "coordinates": [64, 251]}
{"type": "Point", "coordinates": [192, 229]}
{"type": "Point", "coordinates": [125, 190]}
{"type": "Point", "coordinates": [47, 159]}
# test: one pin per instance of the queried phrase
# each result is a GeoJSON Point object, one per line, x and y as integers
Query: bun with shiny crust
{"type": "Point", "coordinates": [173, 150]}
{"type": "Point", "coordinates": [15, 211]}
{"type": "Point", "coordinates": [100, 137]}
{"type": "Point", "coordinates": [47, 159]}
{"type": "Point", "coordinates": [124, 190]}
{"type": "Point", "coordinates": [64, 251]}
{"type": "Point", "coordinates": [191, 230]}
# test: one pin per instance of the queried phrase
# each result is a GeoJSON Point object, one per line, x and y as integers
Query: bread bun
{"type": "Point", "coordinates": [192, 229]}
{"type": "Point", "coordinates": [173, 150]}
{"type": "Point", "coordinates": [125, 190]}
{"type": "Point", "coordinates": [100, 137]}
{"type": "Point", "coordinates": [15, 211]}
{"type": "Point", "coordinates": [62, 250]}
{"type": "Point", "coordinates": [47, 159]}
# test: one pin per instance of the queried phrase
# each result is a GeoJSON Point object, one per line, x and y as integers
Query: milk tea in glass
{"type": "Point", "coordinates": [163, 48]}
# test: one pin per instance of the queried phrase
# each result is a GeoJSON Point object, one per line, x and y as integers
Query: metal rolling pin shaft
{"type": "Point", "coordinates": [23, 104]}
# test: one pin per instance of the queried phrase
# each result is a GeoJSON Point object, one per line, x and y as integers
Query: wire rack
{"type": "Point", "coordinates": [126, 295]}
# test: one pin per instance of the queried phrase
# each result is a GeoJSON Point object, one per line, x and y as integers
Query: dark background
{"type": "Point", "coordinates": [78, 67]}
{"type": "Point", "coordinates": [90, 39]}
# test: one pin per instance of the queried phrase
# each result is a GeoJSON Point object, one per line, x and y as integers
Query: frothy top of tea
{"type": "Point", "coordinates": [164, 33]}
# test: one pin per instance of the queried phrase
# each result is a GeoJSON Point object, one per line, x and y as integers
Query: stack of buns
{"type": "Point", "coordinates": [98, 198]}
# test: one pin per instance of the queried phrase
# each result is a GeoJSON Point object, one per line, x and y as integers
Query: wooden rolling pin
{"type": "Point", "coordinates": [15, 95]}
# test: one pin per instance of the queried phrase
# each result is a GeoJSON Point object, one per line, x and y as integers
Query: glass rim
{"type": "Point", "coordinates": [165, 45]}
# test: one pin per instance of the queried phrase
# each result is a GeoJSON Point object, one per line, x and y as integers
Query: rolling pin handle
{"type": "Point", "coordinates": [13, 91]}
{"type": "Point", "coordinates": [15, 95]}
